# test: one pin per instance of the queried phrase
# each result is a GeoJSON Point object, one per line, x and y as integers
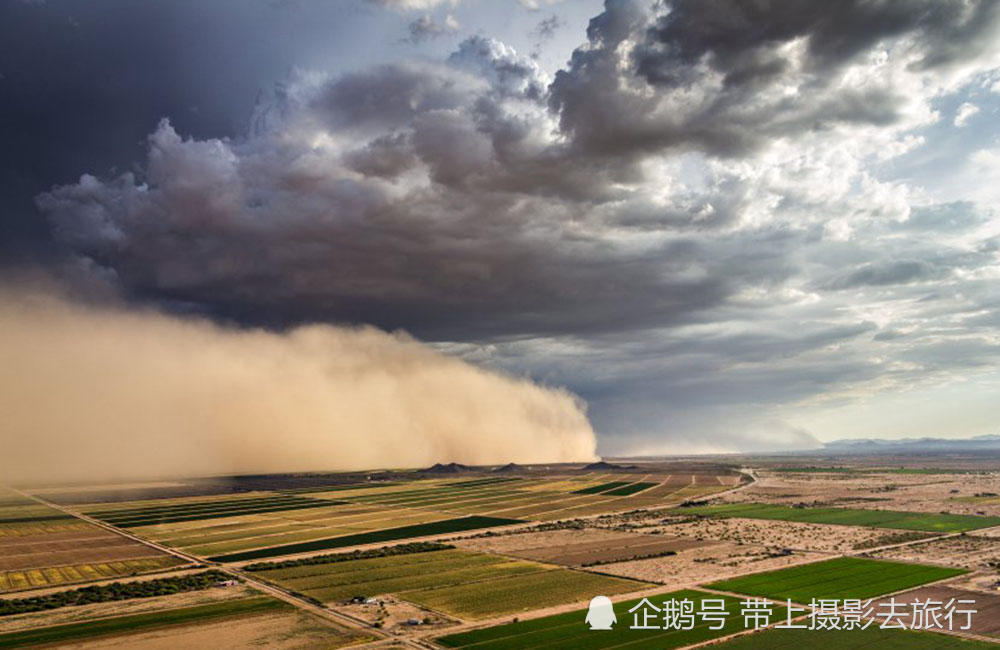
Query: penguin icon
{"type": "Point", "coordinates": [601, 614]}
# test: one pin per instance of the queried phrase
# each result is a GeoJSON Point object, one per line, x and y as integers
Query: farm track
{"type": "Point", "coordinates": [284, 595]}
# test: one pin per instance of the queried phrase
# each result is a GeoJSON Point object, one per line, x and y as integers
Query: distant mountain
{"type": "Point", "coordinates": [509, 467]}
{"type": "Point", "coordinates": [450, 468]}
{"type": "Point", "coordinates": [913, 445]}
{"type": "Point", "coordinates": [606, 466]}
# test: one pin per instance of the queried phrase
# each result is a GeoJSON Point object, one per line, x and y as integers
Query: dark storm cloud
{"type": "Point", "coordinates": [713, 75]}
{"type": "Point", "coordinates": [739, 38]}
{"type": "Point", "coordinates": [688, 215]}
{"type": "Point", "coordinates": [442, 199]}
{"type": "Point", "coordinates": [83, 83]}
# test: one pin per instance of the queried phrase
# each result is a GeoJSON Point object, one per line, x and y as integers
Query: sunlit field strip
{"type": "Point", "coordinates": [348, 523]}
{"type": "Point", "coordinates": [194, 514]}
{"type": "Point", "coordinates": [261, 526]}
{"type": "Point", "coordinates": [459, 524]}
{"type": "Point", "coordinates": [39, 528]}
{"type": "Point", "coordinates": [485, 500]}
{"type": "Point", "coordinates": [254, 539]}
{"type": "Point", "coordinates": [394, 489]}
{"type": "Point", "coordinates": [436, 493]}
{"type": "Point", "coordinates": [196, 507]}
{"type": "Point", "coordinates": [235, 521]}
{"type": "Point", "coordinates": [90, 508]}
{"type": "Point", "coordinates": [555, 505]}
{"type": "Point", "coordinates": [443, 499]}
{"type": "Point", "coordinates": [68, 574]}
{"type": "Point", "coordinates": [303, 536]}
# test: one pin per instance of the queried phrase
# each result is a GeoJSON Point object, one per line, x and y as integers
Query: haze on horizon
{"type": "Point", "coordinates": [724, 225]}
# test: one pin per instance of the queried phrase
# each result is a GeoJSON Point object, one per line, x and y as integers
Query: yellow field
{"type": "Point", "coordinates": [52, 576]}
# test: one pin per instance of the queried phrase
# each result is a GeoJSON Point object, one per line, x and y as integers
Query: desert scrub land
{"type": "Point", "coordinates": [843, 577]}
{"type": "Point", "coordinates": [568, 630]}
{"type": "Point", "coordinates": [772, 533]}
{"type": "Point", "coordinates": [965, 551]}
{"type": "Point", "coordinates": [706, 563]}
{"type": "Point", "coordinates": [910, 490]}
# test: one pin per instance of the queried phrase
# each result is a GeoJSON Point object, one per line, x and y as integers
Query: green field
{"type": "Point", "coordinates": [843, 577]}
{"type": "Point", "coordinates": [526, 591]}
{"type": "Point", "coordinates": [385, 535]}
{"type": "Point", "coordinates": [867, 639]}
{"type": "Point", "coordinates": [629, 489]}
{"type": "Point", "coordinates": [939, 523]}
{"type": "Point", "coordinates": [141, 622]}
{"type": "Point", "coordinates": [462, 583]}
{"type": "Point", "coordinates": [596, 489]}
{"type": "Point", "coordinates": [569, 631]}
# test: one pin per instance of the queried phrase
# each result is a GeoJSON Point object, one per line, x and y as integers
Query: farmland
{"type": "Point", "coordinates": [74, 573]}
{"type": "Point", "coordinates": [167, 514]}
{"type": "Point", "coordinates": [568, 631]}
{"type": "Point", "coordinates": [461, 583]}
{"type": "Point", "coordinates": [373, 537]}
{"type": "Point", "coordinates": [940, 523]}
{"type": "Point", "coordinates": [43, 547]}
{"type": "Point", "coordinates": [872, 637]}
{"type": "Point", "coordinates": [425, 556]}
{"type": "Point", "coordinates": [123, 624]}
{"type": "Point", "coordinates": [581, 548]}
{"type": "Point", "coordinates": [845, 577]}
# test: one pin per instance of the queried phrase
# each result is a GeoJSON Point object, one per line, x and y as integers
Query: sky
{"type": "Point", "coordinates": [724, 225]}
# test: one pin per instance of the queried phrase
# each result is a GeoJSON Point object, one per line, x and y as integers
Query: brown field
{"type": "Point", "coordinates": [48, 552]}
{"type": "Point", "coordinates": [78, 547]}
{"type": "Point", "coordinates": [291, 630]}
{"type": "Point", "coordinates": [985, 621]}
